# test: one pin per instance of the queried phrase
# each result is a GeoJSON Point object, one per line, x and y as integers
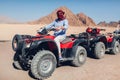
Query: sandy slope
{"type": "Point", "coordinates": [107, 68]}
{"type": "Point", "coordinates": [7, 31]}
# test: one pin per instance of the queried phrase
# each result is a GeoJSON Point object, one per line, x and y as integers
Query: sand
{"type": "Point", "coordinates": [107, 68]}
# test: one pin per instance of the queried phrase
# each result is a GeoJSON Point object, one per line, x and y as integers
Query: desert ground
{"type": "Point", "coordinates": [107, 68]}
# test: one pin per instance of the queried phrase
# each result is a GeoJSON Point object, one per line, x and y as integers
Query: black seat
{"type": "Point", "coordinates": [85, 35]}
{"type": "Point", "coordinates": [66, 40]}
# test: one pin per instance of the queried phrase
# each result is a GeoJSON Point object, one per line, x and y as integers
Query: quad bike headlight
{"type": "Point", "coordinates": [91, 38]}
{"type": "Point", "coordinates": [28, 45]}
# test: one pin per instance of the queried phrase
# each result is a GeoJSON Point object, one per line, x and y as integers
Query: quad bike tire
{"type": "Point", "coordinates": [99, 50]}
{"type": "Point", "coordinates": [116, 48]}
{"type": "Point", "coordinates": [80, 57]}
{"type": "Point", "coordinates": [16, 63]}
{"type": "Point", "coordinates": [17, 42]}
{"type": "Point", "coordinates": [43, 64]}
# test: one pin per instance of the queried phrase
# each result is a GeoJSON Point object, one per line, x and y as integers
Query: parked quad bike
{"type": "Point", "coordinates": [100, 43]}
{"type": "Point", "coordinates": [39, 54]}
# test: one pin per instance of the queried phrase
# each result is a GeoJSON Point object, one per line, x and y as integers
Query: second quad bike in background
{"type": "Point", "coordinates": [108, 42]}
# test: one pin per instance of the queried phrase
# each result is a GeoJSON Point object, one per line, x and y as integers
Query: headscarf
{"type": "Point", "coordinates": [60, 15]}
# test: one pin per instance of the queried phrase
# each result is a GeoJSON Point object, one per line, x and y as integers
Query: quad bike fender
{"type": "Point", "coordinates": [77, 43]}
{"type": "Point", "coordinates": [45, 44]}
{"type": "Point", "coordinates": [100, 39]}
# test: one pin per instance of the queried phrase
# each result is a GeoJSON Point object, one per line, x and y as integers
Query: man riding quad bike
{"type": "Point", "coordinates": [39, 54]}
{"type": "Point", "coordinates": [100, 43]}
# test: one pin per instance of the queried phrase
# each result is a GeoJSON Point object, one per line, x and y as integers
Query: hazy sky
{"type": "Point", "coordinates": [28, 10]}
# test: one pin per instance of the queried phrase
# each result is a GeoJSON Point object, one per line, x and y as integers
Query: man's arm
{"type": "Point", "coordinates": [50, 25]}
{"type": "Point", "coordinates": [65, 26]}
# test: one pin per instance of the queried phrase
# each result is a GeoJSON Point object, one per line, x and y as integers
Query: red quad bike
{"type": "Point", "coordinates": [100, 43]}
{"type": "Point", "coordinates": [39, 54]}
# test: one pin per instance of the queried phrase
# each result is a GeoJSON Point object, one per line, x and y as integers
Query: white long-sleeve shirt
{"type": "Point", "coordinates": [59, 23]}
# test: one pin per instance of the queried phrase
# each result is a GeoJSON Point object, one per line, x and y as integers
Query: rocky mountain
{"type": "Point", "coordinates": [112, 23]}
{"type": "Point", "coordinates": [85, 19]}
{"type": "Point", "coordinates": [102, 23]}
{"type": "Point", "coordinates": [74, 20]}
{"type": "Point", "coordinates": [5, 19]}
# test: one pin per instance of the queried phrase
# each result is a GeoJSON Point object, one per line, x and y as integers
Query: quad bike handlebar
{"type": "Point", "coordinates": [44, 31]}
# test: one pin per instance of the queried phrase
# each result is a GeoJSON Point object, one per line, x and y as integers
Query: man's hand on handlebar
{"type": "Point", "coordinates": [59, 28]}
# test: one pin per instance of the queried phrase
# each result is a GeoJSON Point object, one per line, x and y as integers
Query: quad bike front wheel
{"type": "Point", "coordinates": [99, 50]}
{"type": "Point", "coordinates": [80, 57]}
{"type": "Point", "coordinates": [116, 48]}
{"type": "Point", "coordinates": [43, 64]}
